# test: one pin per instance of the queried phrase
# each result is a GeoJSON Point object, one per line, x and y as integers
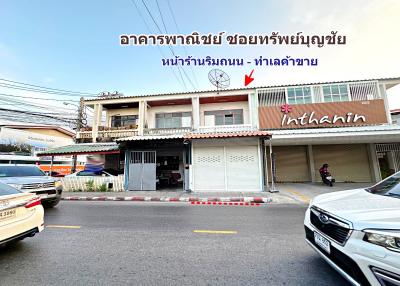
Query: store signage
{"type": "Point", "coordinates": [329, 114]}
{"type": "Point", "coordinates": [311, 118]}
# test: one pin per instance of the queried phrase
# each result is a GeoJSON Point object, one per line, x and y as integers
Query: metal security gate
{"type": "Point", "coordinates": [142, 171]}
{"type": "Point", "coordinates": [388, 156]}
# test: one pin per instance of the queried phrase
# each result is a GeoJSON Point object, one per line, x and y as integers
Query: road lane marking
{"type": "Point", "coordinates": [63, 226]}
{"type": "Point", "coordinates": [215, 231]}
{"type": "Point", "coordinates": [305, 199]}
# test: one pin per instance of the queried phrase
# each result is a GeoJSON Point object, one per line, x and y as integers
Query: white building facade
{"type": "Point", "coordinates": [238, 140]}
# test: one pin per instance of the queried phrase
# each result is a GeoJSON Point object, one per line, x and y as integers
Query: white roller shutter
{"type": "Point", "coordinates": [242, 168]}
{"type": "Point", "coordinates": [209, 165]}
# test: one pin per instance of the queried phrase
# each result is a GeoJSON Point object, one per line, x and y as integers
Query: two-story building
{"type": "Point", "coordinates": [230, 140]}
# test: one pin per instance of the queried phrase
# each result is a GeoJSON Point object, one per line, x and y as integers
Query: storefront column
{"type": "Point", "coordinates": [142, 117]}
{"type": "Point", "coordinates": [373, 162]}
{"type": "Point", "coordinates": [311, 164]}
{"type": "Point", "coordinates": [196, 112]}
{"type": "Point", "coordinates": [97, 114]}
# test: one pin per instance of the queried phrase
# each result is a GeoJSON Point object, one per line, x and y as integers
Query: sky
{"type": "Point", "coordinates": [74, 44]}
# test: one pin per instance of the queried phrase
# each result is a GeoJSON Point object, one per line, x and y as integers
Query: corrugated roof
{"type": "Point", "coordinates": [374, 128]}
{"type": "Point", "coordinates": [227, 135]}
{"type": "Point", "coordinates": [238, 89]}
{"type": "Point", "coordinates": [81, 149]}
{"type": "Point", "coordinates": [151, 137]}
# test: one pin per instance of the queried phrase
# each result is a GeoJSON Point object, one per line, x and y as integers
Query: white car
{"type": "Point", "coordinates": [89, 174]}
{"type": "Point", "coordinates": [358, 232]}
{"type": "Point", "coordinates": [21, 214]}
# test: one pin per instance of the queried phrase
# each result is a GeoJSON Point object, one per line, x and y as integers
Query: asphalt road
{"type": "Point", "coordinates": [124, 243]}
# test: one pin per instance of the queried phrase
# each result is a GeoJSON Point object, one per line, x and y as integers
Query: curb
{"type": "Point", "coordinates": [192, 200]}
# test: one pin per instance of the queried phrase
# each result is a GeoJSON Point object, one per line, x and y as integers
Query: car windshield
{"type": "Point", "coordinates": [388, 187]}
{"type": "Point", "coordinates": [7, 190]}
{"type": "Point", "coordinates": [20, 171]}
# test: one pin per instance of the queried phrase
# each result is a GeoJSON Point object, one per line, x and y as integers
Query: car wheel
{"type": "Point", "coordinates": [52, 203]}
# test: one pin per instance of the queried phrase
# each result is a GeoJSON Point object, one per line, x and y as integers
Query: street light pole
{"type": "Point", "coordinates": [79, 125]}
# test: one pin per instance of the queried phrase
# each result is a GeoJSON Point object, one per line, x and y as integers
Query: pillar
{"type": "Point", "coordinates": [311, 163]}
{"type": "Point", "coordinates": [196, 112]}
{"type": "Point", "coordinates": [373, 162]}
{"type": "Point", "coordinates": [97, 115]}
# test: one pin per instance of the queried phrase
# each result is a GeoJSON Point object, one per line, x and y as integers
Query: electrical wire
{"type": "Point", "coordinates": [182, 82]}
{"type": "Point", "coordinates": [179, 32]}
{"type": "Point", "coordinates": [49, 88]}
{"type": "Point", "coordinates": [169, 46]}
{"type": "Point", "coordinates": [29, 97]}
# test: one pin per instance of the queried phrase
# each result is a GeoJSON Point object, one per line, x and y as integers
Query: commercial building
{"type": "Point", "coordinates": [239, 139]}
{"type": "Point", "coordinates": [38, 137]}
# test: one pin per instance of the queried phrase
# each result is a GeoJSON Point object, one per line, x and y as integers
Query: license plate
{"type": "Point", "coordinates": [43, 196]}
{"type": "Point", "coordinates": [322, 242]}
{"type": "Point", "coordinates": [8, 214]}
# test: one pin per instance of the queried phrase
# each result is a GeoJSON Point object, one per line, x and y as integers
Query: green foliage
{"type": "Point", "coordinates": [15, 148]}
{"type": "Point", "coordinates": [102, 188]}
{"type": "Point", "coordinates": [90, 186]}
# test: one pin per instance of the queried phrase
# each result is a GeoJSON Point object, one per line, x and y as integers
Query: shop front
{"type": "Point", "coordinates": [355, 138]}
{"type": "Point", "coordinates": [155, 162]}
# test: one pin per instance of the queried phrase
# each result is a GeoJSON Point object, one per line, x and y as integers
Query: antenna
{"type": "Point", "coordinates": [219, 79]}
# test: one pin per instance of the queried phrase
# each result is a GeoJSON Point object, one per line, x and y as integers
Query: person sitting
{"type": "Point", "coordinates": [323, 171]}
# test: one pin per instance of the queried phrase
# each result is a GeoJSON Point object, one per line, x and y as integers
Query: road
{"type": "Point", "coordinates": [126, 243]}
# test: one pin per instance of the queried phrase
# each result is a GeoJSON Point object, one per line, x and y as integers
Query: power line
{"type": "Point", "coordinates": [29, 97]}
{"type": "Point", "coordinates": [179, 32]}
{"type": "Point", "coordinates": [169, 46]}
{"type": "Point", "coordinates": [13, 86]}
{"type": "Point", "coordinates": [49, 88]}
{"type": "Point", "coordinates": [158, 48]}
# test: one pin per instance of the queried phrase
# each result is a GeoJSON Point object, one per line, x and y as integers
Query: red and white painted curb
{"type": "Point", "coordinates": [236, 201]}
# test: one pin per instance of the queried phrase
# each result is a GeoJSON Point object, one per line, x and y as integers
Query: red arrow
{"type": "Point", "coordinates": [248, 79]}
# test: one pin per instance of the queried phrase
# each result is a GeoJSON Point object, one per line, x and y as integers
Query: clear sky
{"type": "Point", "coordinates": [74, 44]}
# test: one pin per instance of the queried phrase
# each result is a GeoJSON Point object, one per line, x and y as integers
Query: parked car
{"type": "Point", "coordinates": [358, 232]}
{"type": "Point", "coordinates": [21, 214]}
{"type": "Point", "coordinates": [30, 179]}
{"type": "Point", "coordinates": [89, 174]}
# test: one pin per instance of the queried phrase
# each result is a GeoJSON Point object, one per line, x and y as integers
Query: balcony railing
{"type": "Point", "coordinates": [167, 131]}
{"type": "Point", "coordinates": [108, 133]}
{"type": "Point", "coordinates": [225, 128]}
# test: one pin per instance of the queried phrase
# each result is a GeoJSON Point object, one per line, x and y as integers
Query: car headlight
{"type": "Point", "coordinates": [57, 184]}
{"type": "Point", "coordinates": [389, 239]}
{"type": "Point", "coordinates": [15, 186]}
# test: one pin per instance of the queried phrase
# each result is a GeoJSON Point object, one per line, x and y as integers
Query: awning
{"type": "Point", "coordinates": [227, 135]}
{"type": "Point", "coordinates": [151, 137]}
{"type": "Point", "coordinates": [82, 149]}
{"type": "Point", "coordinates": [337, 135]}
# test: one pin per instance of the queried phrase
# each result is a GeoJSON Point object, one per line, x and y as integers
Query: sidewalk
{"type": "Point", "coordinates": [290, 193]}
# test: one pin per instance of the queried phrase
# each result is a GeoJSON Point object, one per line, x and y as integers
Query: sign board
{"type": "Point", "coordinates": [332, 114]}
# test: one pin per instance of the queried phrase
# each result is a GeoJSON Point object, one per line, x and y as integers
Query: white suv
{"type": "Point", "coordinates": [358, 232]}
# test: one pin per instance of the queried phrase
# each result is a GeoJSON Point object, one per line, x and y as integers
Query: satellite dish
{"type": "Point", "coordinates": [219, 78]}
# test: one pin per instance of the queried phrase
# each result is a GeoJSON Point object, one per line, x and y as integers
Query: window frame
{"type": "Point", "coordinates": [176, 119]}
{"type": "Point", "coordinates": [123, 119]}
{"type": "Point", "coordinates": [342, 92]}
{"type": "Point", "coordinates": [300, 94]}
{"type": "Point", "coordinates": [224, 114]}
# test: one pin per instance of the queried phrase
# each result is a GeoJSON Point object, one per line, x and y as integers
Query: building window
{"type": "Point", "coordinates": [174, 120]}
{"type": "Point", "coordinates": [299, 95]}
{"type": "Point", "coordinates": [335, 92]}
{"type": "Point", "coordinates": [225, 117]}
{"type": "Point", "coordinates": [125, 120]}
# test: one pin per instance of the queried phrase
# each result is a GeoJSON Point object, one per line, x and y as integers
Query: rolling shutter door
{"type": "Point", "coordinates": [291, 164]}
{"type": "Point", "coordinates": [209, 165]}
{"type": "Point", "coordinates": [347, 163]}
{"type": "Point", "coordinates": [242, 168]}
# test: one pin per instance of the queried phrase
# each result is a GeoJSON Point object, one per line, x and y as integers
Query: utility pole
{"type": "Point", "coordinates": [79, 125]}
